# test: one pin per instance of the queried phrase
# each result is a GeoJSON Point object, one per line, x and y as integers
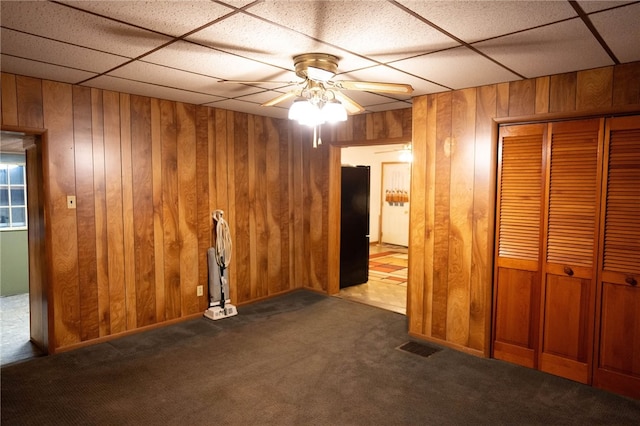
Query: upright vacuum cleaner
{"type": "Point", "coordinates": [219, 259]}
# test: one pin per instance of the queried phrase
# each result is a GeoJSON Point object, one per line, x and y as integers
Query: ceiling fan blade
{"type": "Point", "coordinates": [349, 104]}
{"type": "Point", "coordinates": [406, 148]}
{"type": "Point", "coordinates": [285, 83]}
{"type": "Point", "coordinates": [371, 86]}
{"type": "Point", "coordinates": [391, 150]}
{"type": "Point", "coordinates": [290, 94]}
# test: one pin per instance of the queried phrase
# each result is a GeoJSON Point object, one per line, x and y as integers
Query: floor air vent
{"type": "Point", "coordinates": [419, 349]}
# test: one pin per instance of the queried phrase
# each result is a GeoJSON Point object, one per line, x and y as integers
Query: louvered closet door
{"type": "Point", "coordinates": [518, 236]}
{"type": "Point", "coordinates": [570, 250]}
{"type": "Point", "coordinates": [618, 314]}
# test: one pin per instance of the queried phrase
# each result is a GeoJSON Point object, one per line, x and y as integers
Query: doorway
{"type": "Point", "coordinates": [22, 311]}
{"type": "Point", "coordinates": [394, 208]}
{"type": "Point", "coordinates": [386, 286]}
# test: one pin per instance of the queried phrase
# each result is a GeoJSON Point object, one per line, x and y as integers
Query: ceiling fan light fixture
{"type": "Point", "coordinates": [312, 114]}
{"type": "Point", "coordinates": [312, 120]}
{"type": "Point", "coordinates": [306, 113]}
{"type": "Point", "coordinates": [333, 112]}
{"type": "Point", "coordinates": [323, 65]}
{"type": "Point", "coordinates": [299, 107]}
{"type": "Point", "coordinates": [319, 74]}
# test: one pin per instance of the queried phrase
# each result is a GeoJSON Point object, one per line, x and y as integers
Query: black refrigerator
{"type": "Point", "coordinates": [354, 226]}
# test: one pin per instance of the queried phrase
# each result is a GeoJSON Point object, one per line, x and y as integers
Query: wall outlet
{"type": "Point", "coordinates": [71, 201]}
{"type": "Point", "coordinates": [200, 290]}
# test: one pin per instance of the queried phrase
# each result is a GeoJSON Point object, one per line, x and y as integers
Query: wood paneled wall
{"type": "Point", "coordinates": [377, 128]}
{"type": "Point", "coordinates": [147, 174]}
{"type": "Point", "coordinates": [453, 189]}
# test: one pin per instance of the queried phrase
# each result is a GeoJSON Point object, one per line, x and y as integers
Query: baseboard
{"type": "Point", "coordinates": [455, 346]}
{"type": "Point", "coordinates": [110, 337]}
{"type": "Point", "coordinates": [271, 296]}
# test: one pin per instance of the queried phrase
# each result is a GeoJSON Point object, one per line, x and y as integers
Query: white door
{"type": "Point", "coordinates": [394, 223]}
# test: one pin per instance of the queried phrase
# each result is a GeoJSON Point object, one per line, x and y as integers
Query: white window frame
{"type": "Point", "coordinates": [9, 186]}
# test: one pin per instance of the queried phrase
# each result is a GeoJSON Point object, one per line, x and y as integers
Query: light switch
{"type": "Point", "coordinates": [71, 201]}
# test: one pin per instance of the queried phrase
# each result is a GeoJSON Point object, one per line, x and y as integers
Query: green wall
{"type": "Point", "coordinates": [14, 266]}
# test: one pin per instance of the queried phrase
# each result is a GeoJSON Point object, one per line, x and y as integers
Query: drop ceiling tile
{"type": "Point", "coordinates": [169, 77]}
{"type": "Point", "coordinates": [237, 4]}
{"type": "Point", "coordinates": [376, 29]}
{"type": "Point", "coordinates": [387, 74]}
{"type": "Point", "coordinates": [56, 53]}
{"type": "Point", "coordinates": [367, 98]}
{"type": "Point", "coordinates": [29, 68]}
{"type": "Point", "coordinates": [620, 29]}
{"type": "Point", "coordinates": [168, 17]}
{"type": "Point", "coordinates": [217, 64]}
{"type": "Point", "coordinates": [153, 91]}
{"type": "Point", "coordinates": [49, 40]}
{"type": "Point", "coordinates": [59, 22]}
{"type": "Point", "coordinates": [261, 41]}
{"type": "Point", "coordinates": [13, 142]}
{"type": "Point", "coordinates": [590, 6]}
{"type": "Point", "coordinates": [251, 108]}
{"type": "Point", "coordinates": [233, 90]}
{"type": "Point", "coordinates": [558, 48]}
{"type": "Point", "coordinates": [478, 20]}
{"type": "Point", "coordinates": [457, 68]}
{"type": "Point", "coordinates": [265, 96]}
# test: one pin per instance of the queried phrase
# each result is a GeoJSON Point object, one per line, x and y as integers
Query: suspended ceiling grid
{"type": "Point", "coordinates": [181, 50]}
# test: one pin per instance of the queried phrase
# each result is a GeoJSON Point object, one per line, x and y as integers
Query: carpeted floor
{"type": "Point", "coordinates": [299, 359]}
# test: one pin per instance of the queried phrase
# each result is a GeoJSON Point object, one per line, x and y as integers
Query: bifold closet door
{"type": "Point", "coordinates": [617, 366]}
{"type": "Point", "coordinates": [570, 252]}
{"type": "Point", "coordinates": [517, 268]}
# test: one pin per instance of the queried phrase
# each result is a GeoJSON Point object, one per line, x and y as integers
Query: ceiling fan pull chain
{"type": "Point", "coordinates": [317, 140]}
{"type": "Point", "coordinates": [315, 136]}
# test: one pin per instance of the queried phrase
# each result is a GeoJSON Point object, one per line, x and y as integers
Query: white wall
{"type": "Point", "coordinates": [372, 156]}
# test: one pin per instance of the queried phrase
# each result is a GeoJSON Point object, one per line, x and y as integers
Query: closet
{"type": "Point", "coordinates": [567, 257]}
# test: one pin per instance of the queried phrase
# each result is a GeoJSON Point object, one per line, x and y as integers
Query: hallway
{"type": "Point", "coordinates": [387, 285]}
{"type": "Point", "coordinates": [14, 330]}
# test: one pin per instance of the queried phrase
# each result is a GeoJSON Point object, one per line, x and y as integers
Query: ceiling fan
{"type": "Point", "coordinates": [317, 87]}
{"type": "Point", "coordinates": [402, 148]}
{"type": "Point", "coordinates": [405, 153]}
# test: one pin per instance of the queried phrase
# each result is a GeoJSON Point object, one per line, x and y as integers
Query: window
{"type": "Point", "coordinates": [13, 196]}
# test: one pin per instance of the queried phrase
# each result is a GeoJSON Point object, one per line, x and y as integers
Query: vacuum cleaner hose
{"type": "Point", "coordinates": [223, 239]}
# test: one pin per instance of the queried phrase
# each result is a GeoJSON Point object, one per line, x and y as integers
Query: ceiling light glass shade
{"type": "Point", "coordinates": [305, 113]}
{"type": "Point", "coordinates": [311, 118]}
{"type": "Point", "coordinates": [311, 114]}
{"type": "Point", "coordinates": [334, 111]}
{"type": "Point", "coordinates": [299, 108]}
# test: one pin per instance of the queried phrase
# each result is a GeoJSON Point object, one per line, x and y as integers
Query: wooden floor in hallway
{"type": "Point", "coordinates": [387, 285]}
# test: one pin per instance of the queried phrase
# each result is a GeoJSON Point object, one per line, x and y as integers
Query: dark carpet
{"type": "Point", "coordinates": [299, 359]}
